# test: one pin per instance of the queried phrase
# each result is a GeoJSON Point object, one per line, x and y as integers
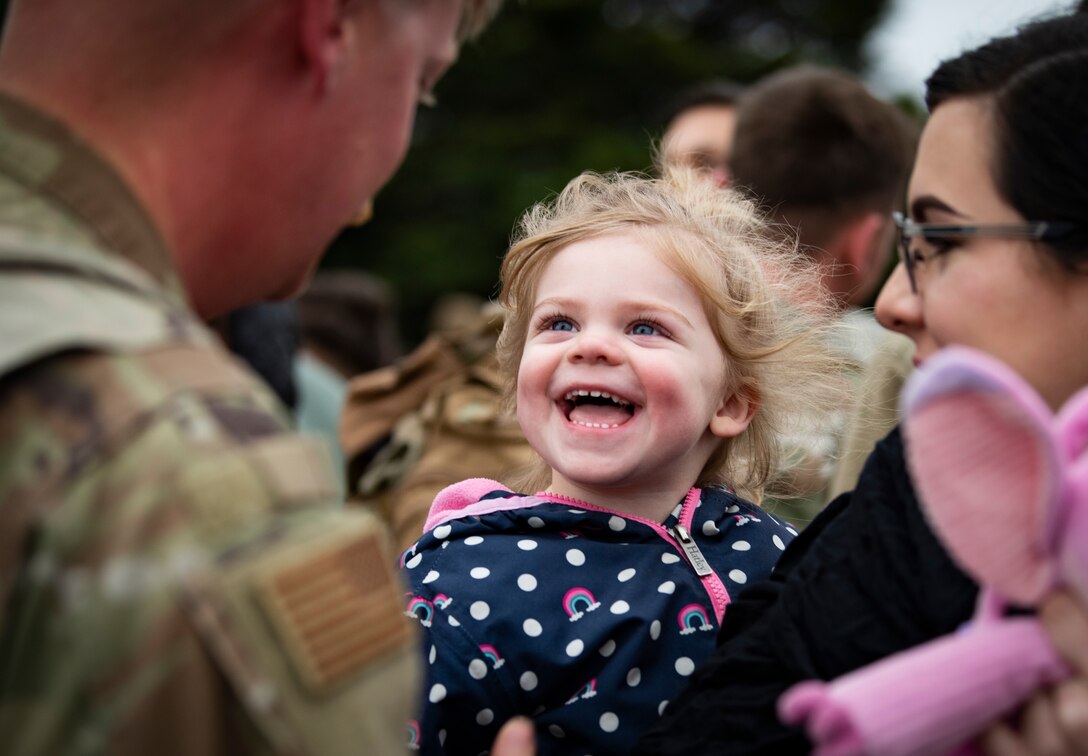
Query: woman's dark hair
{"type": "Point", "coordinates": [1037, 79]}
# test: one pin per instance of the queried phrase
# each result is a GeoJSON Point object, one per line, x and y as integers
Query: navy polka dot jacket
{"type": "Point", "coordinates": [585, 620]}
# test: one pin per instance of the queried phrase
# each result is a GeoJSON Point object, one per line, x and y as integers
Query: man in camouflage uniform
{"type": "Point", "coordinates": [176, 575]}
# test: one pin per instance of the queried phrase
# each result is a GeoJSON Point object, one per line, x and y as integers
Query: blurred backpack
{"type": "Point", "coordinates": [432, 419]}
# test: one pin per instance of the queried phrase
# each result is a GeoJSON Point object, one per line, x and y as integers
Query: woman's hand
{"type": "Point", "coordinates": [516, 738]}
{"type": "Point", "coordinates": [1055, 721]}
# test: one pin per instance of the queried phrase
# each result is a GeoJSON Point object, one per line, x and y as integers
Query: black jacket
{"type": "Point", "coordinates": [866, 579]}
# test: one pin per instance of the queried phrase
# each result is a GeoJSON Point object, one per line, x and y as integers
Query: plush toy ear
{"type": "Point", "coordinates": [1073, 524]}
{"type": "Point", "coordinates": [987, 470]}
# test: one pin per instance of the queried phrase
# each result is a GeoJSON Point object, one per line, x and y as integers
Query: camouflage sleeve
{"type": "Point", "coordinates": [311, 634]}
{"type": "Point", "coordinates": [176, 576]}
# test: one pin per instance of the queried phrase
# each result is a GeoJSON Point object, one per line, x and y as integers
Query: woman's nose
{"type": "Point", "coordinates": [897, 307]}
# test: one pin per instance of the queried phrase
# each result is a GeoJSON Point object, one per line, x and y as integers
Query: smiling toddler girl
{"type": "Point", "coordinates": [657, 343]}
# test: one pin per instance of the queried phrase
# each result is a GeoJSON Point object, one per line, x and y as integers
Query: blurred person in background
{"type": "Point", "coordinates": [699, 128]}
{"type": "Point", "coordinates": [347, 324]}
{"type": "Point", "coordinates": [266, 335]}
{"type": "Point", "coordinates": [828, 161]}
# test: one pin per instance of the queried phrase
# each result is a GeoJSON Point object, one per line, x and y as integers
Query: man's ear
{"type": "Point", "coordinates": [863, 245]}
{"type": "Point", "coordinates": [735, 412]}
{"type": "Point", "coordinates": [321, 37]}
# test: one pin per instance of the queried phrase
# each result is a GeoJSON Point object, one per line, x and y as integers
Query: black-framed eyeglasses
{"type": "Point", "coordinates": [939, 238]}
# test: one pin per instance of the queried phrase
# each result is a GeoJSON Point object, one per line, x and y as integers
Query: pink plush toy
{"type": "Point", "coordinates": [1005, 485]}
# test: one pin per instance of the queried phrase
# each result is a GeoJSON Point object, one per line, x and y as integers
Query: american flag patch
{"type": "Point", "coordinates": [336, 610]}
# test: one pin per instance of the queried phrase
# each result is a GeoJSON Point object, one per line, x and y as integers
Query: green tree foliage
{"type": "Point", "coordinates": [555, 87]}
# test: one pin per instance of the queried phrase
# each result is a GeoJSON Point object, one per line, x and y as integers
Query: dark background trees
{"type": "Point", "coordinates": [555, 87]}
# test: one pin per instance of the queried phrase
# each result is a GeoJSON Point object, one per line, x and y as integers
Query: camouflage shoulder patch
{"type": "Point", "coordinates": [309, 631]}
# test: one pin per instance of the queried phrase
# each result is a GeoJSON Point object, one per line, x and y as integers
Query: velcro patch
{"type": "Point", "coordinates": [336, 609]}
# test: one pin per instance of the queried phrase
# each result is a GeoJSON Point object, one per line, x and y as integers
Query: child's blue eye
{"type": "Point", "coordinates": [560, 324]}
{"type": "Point", "coordinates": [644, 329]}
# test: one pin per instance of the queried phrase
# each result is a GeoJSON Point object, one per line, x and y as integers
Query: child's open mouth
{"type": "Point", "coordinates": [596, 409]}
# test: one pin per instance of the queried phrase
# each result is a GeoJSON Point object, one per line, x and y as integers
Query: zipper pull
{"type": "Point", "coordinates": [691, 551]}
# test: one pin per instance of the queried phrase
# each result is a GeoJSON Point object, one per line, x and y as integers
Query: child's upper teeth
{"type": "Point", "coordinates": [602, 394]}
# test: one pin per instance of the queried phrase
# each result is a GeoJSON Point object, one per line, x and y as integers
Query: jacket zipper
{"type": "Point", "coordinates": [691, 550]}
{"type": "Point", "coordinates": [712, 583]}
{"type": "Point", "coordinates": [681, 539]}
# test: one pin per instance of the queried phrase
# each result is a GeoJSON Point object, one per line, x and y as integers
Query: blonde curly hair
{"type": "Point", "coordinates": [763, 298]}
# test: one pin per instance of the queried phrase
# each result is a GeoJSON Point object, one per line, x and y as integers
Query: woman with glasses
{"type": "Point", "coordinates": [994, 256]}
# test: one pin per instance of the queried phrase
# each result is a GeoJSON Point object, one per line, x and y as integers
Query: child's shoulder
{"type": "Point", "coordinates": [724, 496]}
{"type": "Point", "coordinates": [453, 500]}
{"type": "Point", "coordinates": [742, 511]}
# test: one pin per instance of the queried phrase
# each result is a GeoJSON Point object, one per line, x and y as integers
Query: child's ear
{"type": "Point", "coordinates": [735, 412]}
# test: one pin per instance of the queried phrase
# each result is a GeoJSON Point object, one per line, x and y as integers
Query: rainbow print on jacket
{"type": "Point", "coordinates": [693, 617]}
{"type": "Point", "coordinates": [492, 655]}
{"type": "Point", "coordinates": [577, 601]}
{"type": "Point", "coordinates": [421, 609]}
{"type": "Point", "coordinates": [413, 735]}
{"type": "Point", "coordinates": [586, 691]}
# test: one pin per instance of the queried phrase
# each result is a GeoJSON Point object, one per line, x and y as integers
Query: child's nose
{"type": "Point", "coordinates": [592, 346]}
